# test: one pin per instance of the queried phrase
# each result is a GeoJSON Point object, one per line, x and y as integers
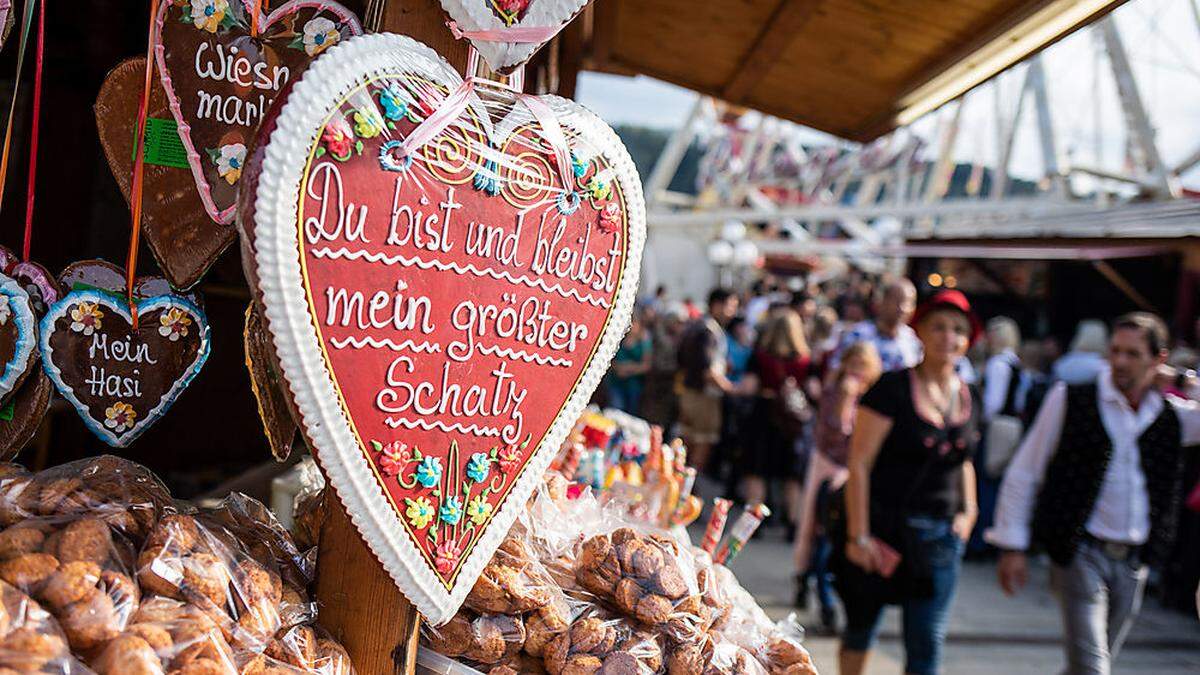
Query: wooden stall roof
{"type": "Point", "coordinates": [853, 68]}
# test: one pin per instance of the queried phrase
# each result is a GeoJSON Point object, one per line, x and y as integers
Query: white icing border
{"type": "Point", "coordinates": [25, 347]}
{"type": "Point", "coordinates": [473, 15]}
{"type": "Point", "coordinates": [121, 308]}
{"type": "Point", "coordinates": [195, 161]}
{"type": "Point", "coordinates": [277, 265]}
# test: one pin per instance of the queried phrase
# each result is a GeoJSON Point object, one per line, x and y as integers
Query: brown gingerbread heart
{"type": "Point", "coordinates": [21, 416]}
{"type": "Point", "coordinates": [121, 379]}
{"type": "Point", "coordinates": [184, 240]}
{"type": "Point", "coordinates": [278, 423]}
{"type": "Point", "coordinates": [221, 79]}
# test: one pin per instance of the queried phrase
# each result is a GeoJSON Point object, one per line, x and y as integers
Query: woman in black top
{"type": "Point", "coordinates": [911, 492]}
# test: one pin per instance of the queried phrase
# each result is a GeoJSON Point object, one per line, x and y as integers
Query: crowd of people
{"type": "Point", "coordinates": [896, 437]}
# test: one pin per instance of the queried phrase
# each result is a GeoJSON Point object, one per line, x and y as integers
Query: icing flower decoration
{"type": "Point", "coordinates": [451, 511]}
{"type": "Point", "coordinates": [395, 105]}
{"type": "Point", "coordinates": [579, 166]}
{"type": "Point", "coordinates": [419, 512]}
{"type": "Point", "coordinates": [319, 34]}
{"type": "Point", "coordinates": [86, 318]}
{"type": "Point", "coordinates": [478, 467]}
{"type": "Point", "coordinates": [479, 509]}
{"type": "Point", "coordinates": [393, 457]}
{"type": "Point", "coordinates": [610, 218]}
{"type": "Point", "coordinates": [230, 159]}
{"type": "Point", "coordinates": [367, 123]}
{"type": "Point", "coordinates": [446, 557]}
{"type": "Point", "coordinates": [175, 324]}
{"type": "Point", "coordinates": [509, 458]}
{"type": "Point", "coordinates": [207, 15]}
{"type": "Point", "coordinates": [119, 416]}
{"type": "Point", "coordinates": [599, 189]}
{"type": "Point", "coordinates": [338, 139]}
{"type": "Point", "coordinates": [429, 471]}
{"type": "Point", "coordinates": [5, 310]}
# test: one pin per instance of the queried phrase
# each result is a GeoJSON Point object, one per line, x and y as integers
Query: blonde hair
{"type": "Point", "coordinates": [1003, 333]}
{"type": "Point", "coordinates": [784, 335]}
{"type": "Point", "coordinates": [860, 350]}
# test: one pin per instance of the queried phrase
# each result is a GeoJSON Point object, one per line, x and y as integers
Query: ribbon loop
{"type": "Point", "coordinates": [553, 133]}
{"type": "Point", "coordinates": [526, 35]}
{"type": "Point", "coordinates": [449, 110]}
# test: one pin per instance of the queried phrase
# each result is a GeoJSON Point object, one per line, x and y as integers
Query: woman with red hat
{"type": "Point", "coordinates": [910, 498]}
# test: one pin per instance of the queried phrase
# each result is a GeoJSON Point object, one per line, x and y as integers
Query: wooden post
{"type": "Point", "coordinates": [360, 604]}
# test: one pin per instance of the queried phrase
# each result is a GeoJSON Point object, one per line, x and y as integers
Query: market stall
{"type": "Point", "coordinates": [440, 267]}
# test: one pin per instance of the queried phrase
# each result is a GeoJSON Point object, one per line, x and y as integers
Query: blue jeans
{"type": "Point", "coordinates": [625, 394]}
{"type": "Point", "coordinates": [925, 618]}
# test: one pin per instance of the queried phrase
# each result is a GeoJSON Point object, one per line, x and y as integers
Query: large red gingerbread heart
{"type": "Point", "coordinates": [221, 80]}
{"type": "Point", "coordinates": [440, 318]}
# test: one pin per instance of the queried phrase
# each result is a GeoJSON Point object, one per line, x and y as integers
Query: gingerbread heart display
{"type": "Point", "coordinates": [490, 16]}
{"type": "Point", "coordinates": [220, 79]}
{"type": "Point", "coordinates": [18, 336]}
{"type": "Point", "coordinates": [441, 312]}
{"type": "Point", "coordinates": [185, 241]}
{"type": "Point", "coordinates": [278, 423]}
{"type": "Point", "coordinates": [119, 379]}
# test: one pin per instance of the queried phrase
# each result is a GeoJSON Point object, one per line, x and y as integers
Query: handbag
{"type": "Point", "coordinates": [790, 408]}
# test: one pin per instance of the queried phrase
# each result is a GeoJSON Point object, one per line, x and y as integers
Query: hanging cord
{"type": "Point", "coordinates": [135, 192]}
{"type": "Point", "coordinates": [34, 129]}
{"type": "Point", "coordinates": [260, 6]}
{"type": "Point", "coordinates": [26, 23]}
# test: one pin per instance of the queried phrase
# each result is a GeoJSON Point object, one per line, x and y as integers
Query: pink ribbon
{"type": "Point", "coordinates": [554, 135]}
{"type": "Point", "coordinates": [450, 109]}
{"type": "Point", "coordinates": [513, 34]}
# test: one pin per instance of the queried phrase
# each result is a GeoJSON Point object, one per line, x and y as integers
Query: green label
{"type": "Point", "coordinates": [163, 145]}
{"type": "Point", "coordinates": [6, 413]}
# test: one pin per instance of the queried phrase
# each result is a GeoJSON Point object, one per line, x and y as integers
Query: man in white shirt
{"type": "Point", "coordinates": [1097, 484]}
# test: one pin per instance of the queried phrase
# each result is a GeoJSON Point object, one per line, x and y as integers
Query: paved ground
{"type": "Point", "coordinates": [990, 634]}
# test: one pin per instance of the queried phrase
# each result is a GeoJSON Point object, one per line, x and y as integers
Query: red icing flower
{"type": "Point", "coordinates": [512, 6]}
{"type": "Point", "coordinates": [338, 138]}
{"type": "Point", "coordinates": [446, 556]}
{"type": "Point", "coordinates": [393, 457]}
{"type": "Point", "coordinates": [610, 218]}
{"type": "Point", "coordinates": [510, 459]}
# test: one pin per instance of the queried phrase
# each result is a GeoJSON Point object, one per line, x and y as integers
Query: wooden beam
{"type": "Point", "coordinates": [425, 20]}
{"type": "Point", "coordinates": [777, 33]}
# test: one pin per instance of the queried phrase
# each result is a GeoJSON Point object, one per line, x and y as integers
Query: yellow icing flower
{"type": "Point", "coordinates": [175, 324]}
{"type": "Point", "coordinates": [85, 318]}
{"type": "Point", "coordinates": [119, 417]}
{"type": "Point", "coordinates": [367, 123]}
{"type": "Point", "coordinates": [208, 14]}
{"type": "Point", "coordinates": [419, 512]}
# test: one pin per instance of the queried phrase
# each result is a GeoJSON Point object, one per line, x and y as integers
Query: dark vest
{"type": "Point", "coordinates": [1076, 472]}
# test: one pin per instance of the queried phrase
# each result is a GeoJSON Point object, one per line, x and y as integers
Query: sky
{"type": "Point", "coordinates": [1162, 39]}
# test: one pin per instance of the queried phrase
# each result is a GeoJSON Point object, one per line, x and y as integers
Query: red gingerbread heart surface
{"type": "Point", "coordinates": [221, 78]}
{"type": "Point", "coordinates": [441, 312]}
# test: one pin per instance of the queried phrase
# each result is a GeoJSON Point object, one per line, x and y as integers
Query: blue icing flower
{"type": "Point", "coordinates": [451, 510]}
{"type": "Point", "coordinates": [429, 471]}
{"type": "Point", "coordinates": [390, 158]}
{"type": "Point", "coordinates": [393, 102]}
{"type": "Point", "coordinates": [478, 467]}
{"type": "Point", "coordinates": [486, 179]}
{"type": "Point", "coordinates": [578, 165]}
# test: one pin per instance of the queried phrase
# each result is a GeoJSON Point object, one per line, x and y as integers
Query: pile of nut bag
{"type": "Point", "coordinates": [102, 572]}
{"type": "Point", "coordinates": [578, 588]}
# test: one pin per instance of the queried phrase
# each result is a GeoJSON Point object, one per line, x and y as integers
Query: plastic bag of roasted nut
{"type": "Point", "coordinates": [167, 636]}
{"type": "Point", "coordinates": [30, 639]}
{"type": "Point", "coordinates": [598, 642]}
{"type": "Point", "coordinates": [266, 541]}
{"type": "Point", "coordinates": [127, 496]}
{"type": "Point", "coordinates": [79, 567]}
{"type": "Point", "coordinates": [485, 639]}
{"type": "Point", "coordinates": [300, 649]}
{"type": "Point", "coordinates": [198, 560]}
{"type": "Point", "coordinates": [647, 575]}
{"type": "Point", "coordinates": [712, 655]}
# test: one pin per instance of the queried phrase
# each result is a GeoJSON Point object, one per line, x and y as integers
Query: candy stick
{"type": "Point", "coordinates": [716, 524]}
{"type": "Point", "coordinates": [743, 529]}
